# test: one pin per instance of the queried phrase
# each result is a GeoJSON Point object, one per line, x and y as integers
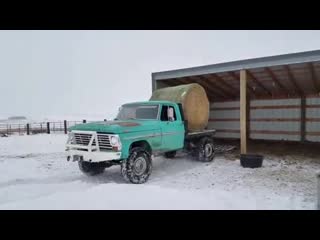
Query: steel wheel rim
{"type": "Point", "coordinates": [140, 166]}
{"type": "Point", "coordinates": [208, 149]}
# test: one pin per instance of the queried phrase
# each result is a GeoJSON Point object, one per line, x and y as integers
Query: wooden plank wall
{"type": "Point", "coordinates": [278, 119]}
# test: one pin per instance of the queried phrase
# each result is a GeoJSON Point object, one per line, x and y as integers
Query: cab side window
{"type": "Point", "coordinates": [168, 113]}
{"type": "Point", "coordinates": [164, 115]}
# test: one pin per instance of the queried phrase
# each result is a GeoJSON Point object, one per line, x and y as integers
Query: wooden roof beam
{"type": "Point", "coordinates": [226, 93]}
{"type": "Point", "coordinates": [235, 77]}
{"type": "Point", "coordinates": [205, 85]}
{"type": "Point", "coordinates": [253, 78]}
{"type": "Point", "coordinates": [224, 83]}
{"type": "Point", "coordinates": [169, 82]}
{"type": "Point", "coordinates": [276, 81]}
{"type": "Point", "coordinates": [183, 80]}
{"type": "Point", "coordinates": [314, 79]}
{"type": "Point", "coordinates": [293, 81]}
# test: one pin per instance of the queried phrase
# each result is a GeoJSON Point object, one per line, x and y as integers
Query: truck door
{"type": "Point", "coordinates": [172, 128]}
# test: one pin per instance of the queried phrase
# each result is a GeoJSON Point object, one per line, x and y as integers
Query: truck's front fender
{"type": "Point", "coordinates": [151, 140]}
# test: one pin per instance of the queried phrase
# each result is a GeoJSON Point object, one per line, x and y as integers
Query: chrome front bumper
{"type": "Point", "coordinates": [92, 156]}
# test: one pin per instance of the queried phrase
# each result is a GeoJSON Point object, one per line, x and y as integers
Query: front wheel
{"type": "Point", "coordinates": [205, 150]}
{"type": "Point", "coordinates": [91, 169]}
{"type": "Point", "coordinates": [137, 168]}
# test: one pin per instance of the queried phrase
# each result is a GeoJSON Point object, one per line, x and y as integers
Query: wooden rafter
{"type": "Point", "coordinates": [212, 92]}
{"type": "Point", "coordinates": [235, 77]}
{"type": "Point", "coordinates": [216, 86]}
{"type": "Point", "coordinates": [276, 81]}
{"type": "Point", "coordinates": [224, 83]}
{"type": "Point", "coordinates": [169, 82]}
{"type": "Point", "coordinates": [188, 80]}
{"type": "Point", "coordinates": [253, 78]}
{"type": "Point", "coordinates": [293, 81]}
{"type": "Point", "coordinates": [314, 79]}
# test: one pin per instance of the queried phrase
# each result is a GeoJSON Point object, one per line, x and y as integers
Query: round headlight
{"type": "Point", "coordinates": [113, 140]}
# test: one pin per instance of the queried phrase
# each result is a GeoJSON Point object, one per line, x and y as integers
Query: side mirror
{"type": "Point", "coordinates": [170, 114]}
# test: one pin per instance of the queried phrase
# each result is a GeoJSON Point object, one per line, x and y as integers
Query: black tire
{"type": "Point", "coordinates": [91, 169]}
{"type": "Point", "coordinates": [205, 150]}
{"type": "Point", "coordinates": [138, 167]}
{"type": "Point", "coordinates": [171, 154]}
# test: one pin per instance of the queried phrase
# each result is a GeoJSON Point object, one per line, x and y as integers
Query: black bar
{"type": "Point", "coordinates": [48, 127]}
{"type": "Point", "coordinates": [28, 129]}
{"type": "Point", "coordinates": [65, 126]}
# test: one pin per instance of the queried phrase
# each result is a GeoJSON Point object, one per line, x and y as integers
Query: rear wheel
{"type": "Point", "coordinates": [171, 154]}
{"type": "Point", "coordinates": [91, 169]}
{"type": "Point", "coordinates": [205, 150]}
{"type": "Point", "coordinates": [138, 167]}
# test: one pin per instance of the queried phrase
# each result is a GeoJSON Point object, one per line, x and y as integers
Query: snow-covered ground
{"type": "Point", "coordinates": [34, 174]}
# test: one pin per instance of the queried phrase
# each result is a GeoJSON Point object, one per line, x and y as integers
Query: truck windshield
{"type": "Point", "coordinates": [138, 111]}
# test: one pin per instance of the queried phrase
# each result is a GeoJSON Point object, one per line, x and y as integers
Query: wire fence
{"type": "Point", "coordinates": [38, 127]}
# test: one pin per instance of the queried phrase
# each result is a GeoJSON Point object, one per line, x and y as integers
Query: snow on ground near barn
{"type": "Point", "coordinates": [34, 174]}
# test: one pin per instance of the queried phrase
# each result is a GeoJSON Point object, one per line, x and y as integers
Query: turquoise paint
{"type": "Point", "coordinates": [160, 135]}
{"type": "Point", "coordinates": [172, 132]}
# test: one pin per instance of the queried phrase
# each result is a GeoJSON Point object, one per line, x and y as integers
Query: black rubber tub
{"type": "Point", "coordinates": [251, 160]}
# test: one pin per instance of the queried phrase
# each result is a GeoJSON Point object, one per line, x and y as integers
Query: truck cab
{"type": "Point", "coordinates": [140, 131]}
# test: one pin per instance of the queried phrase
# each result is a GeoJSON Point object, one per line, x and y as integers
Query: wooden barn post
{"type": "Point", "coordinates": [243, 111]}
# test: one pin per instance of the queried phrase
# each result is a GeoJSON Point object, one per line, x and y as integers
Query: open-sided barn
{"type": "Point", "coordinates": [269, 98]}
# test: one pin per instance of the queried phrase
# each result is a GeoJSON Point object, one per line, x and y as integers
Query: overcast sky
{"type": "Point", "coordinates": [73, 73]}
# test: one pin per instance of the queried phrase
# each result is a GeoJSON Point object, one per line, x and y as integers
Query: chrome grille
{"type": "Point", "coordinates": [84, 139]}
{"type": "Point", "coordinates": [104, 141]}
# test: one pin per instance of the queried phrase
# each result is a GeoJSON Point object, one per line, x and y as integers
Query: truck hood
{"type": "Point", "coordinates": [118, 126]}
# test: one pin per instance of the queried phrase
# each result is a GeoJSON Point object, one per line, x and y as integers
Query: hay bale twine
{"type": "Point", "coordinates": [194, 101]}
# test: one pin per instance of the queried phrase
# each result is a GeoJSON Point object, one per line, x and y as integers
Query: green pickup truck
{"type": "Point", "coordinates": [140, 131]}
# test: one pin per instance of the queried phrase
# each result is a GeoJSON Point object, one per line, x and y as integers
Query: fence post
{"type": "Point", "coordinates": [65, 126]}
{"type": "Point", "coordinates": [7, 129]}
{"type": "Point", "coordinates": [84, 121]}
{"type": "Point", "coordinates": [48, 127]}
{"type": "Point", "coordinates": [28, 129]}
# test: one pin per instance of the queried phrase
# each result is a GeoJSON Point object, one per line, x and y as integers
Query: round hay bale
{"type": "Point", "coordinates": [194, 101]}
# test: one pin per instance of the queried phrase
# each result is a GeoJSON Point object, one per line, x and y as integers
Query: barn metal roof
{"type": "Point", "coordinates": [284, 76]}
